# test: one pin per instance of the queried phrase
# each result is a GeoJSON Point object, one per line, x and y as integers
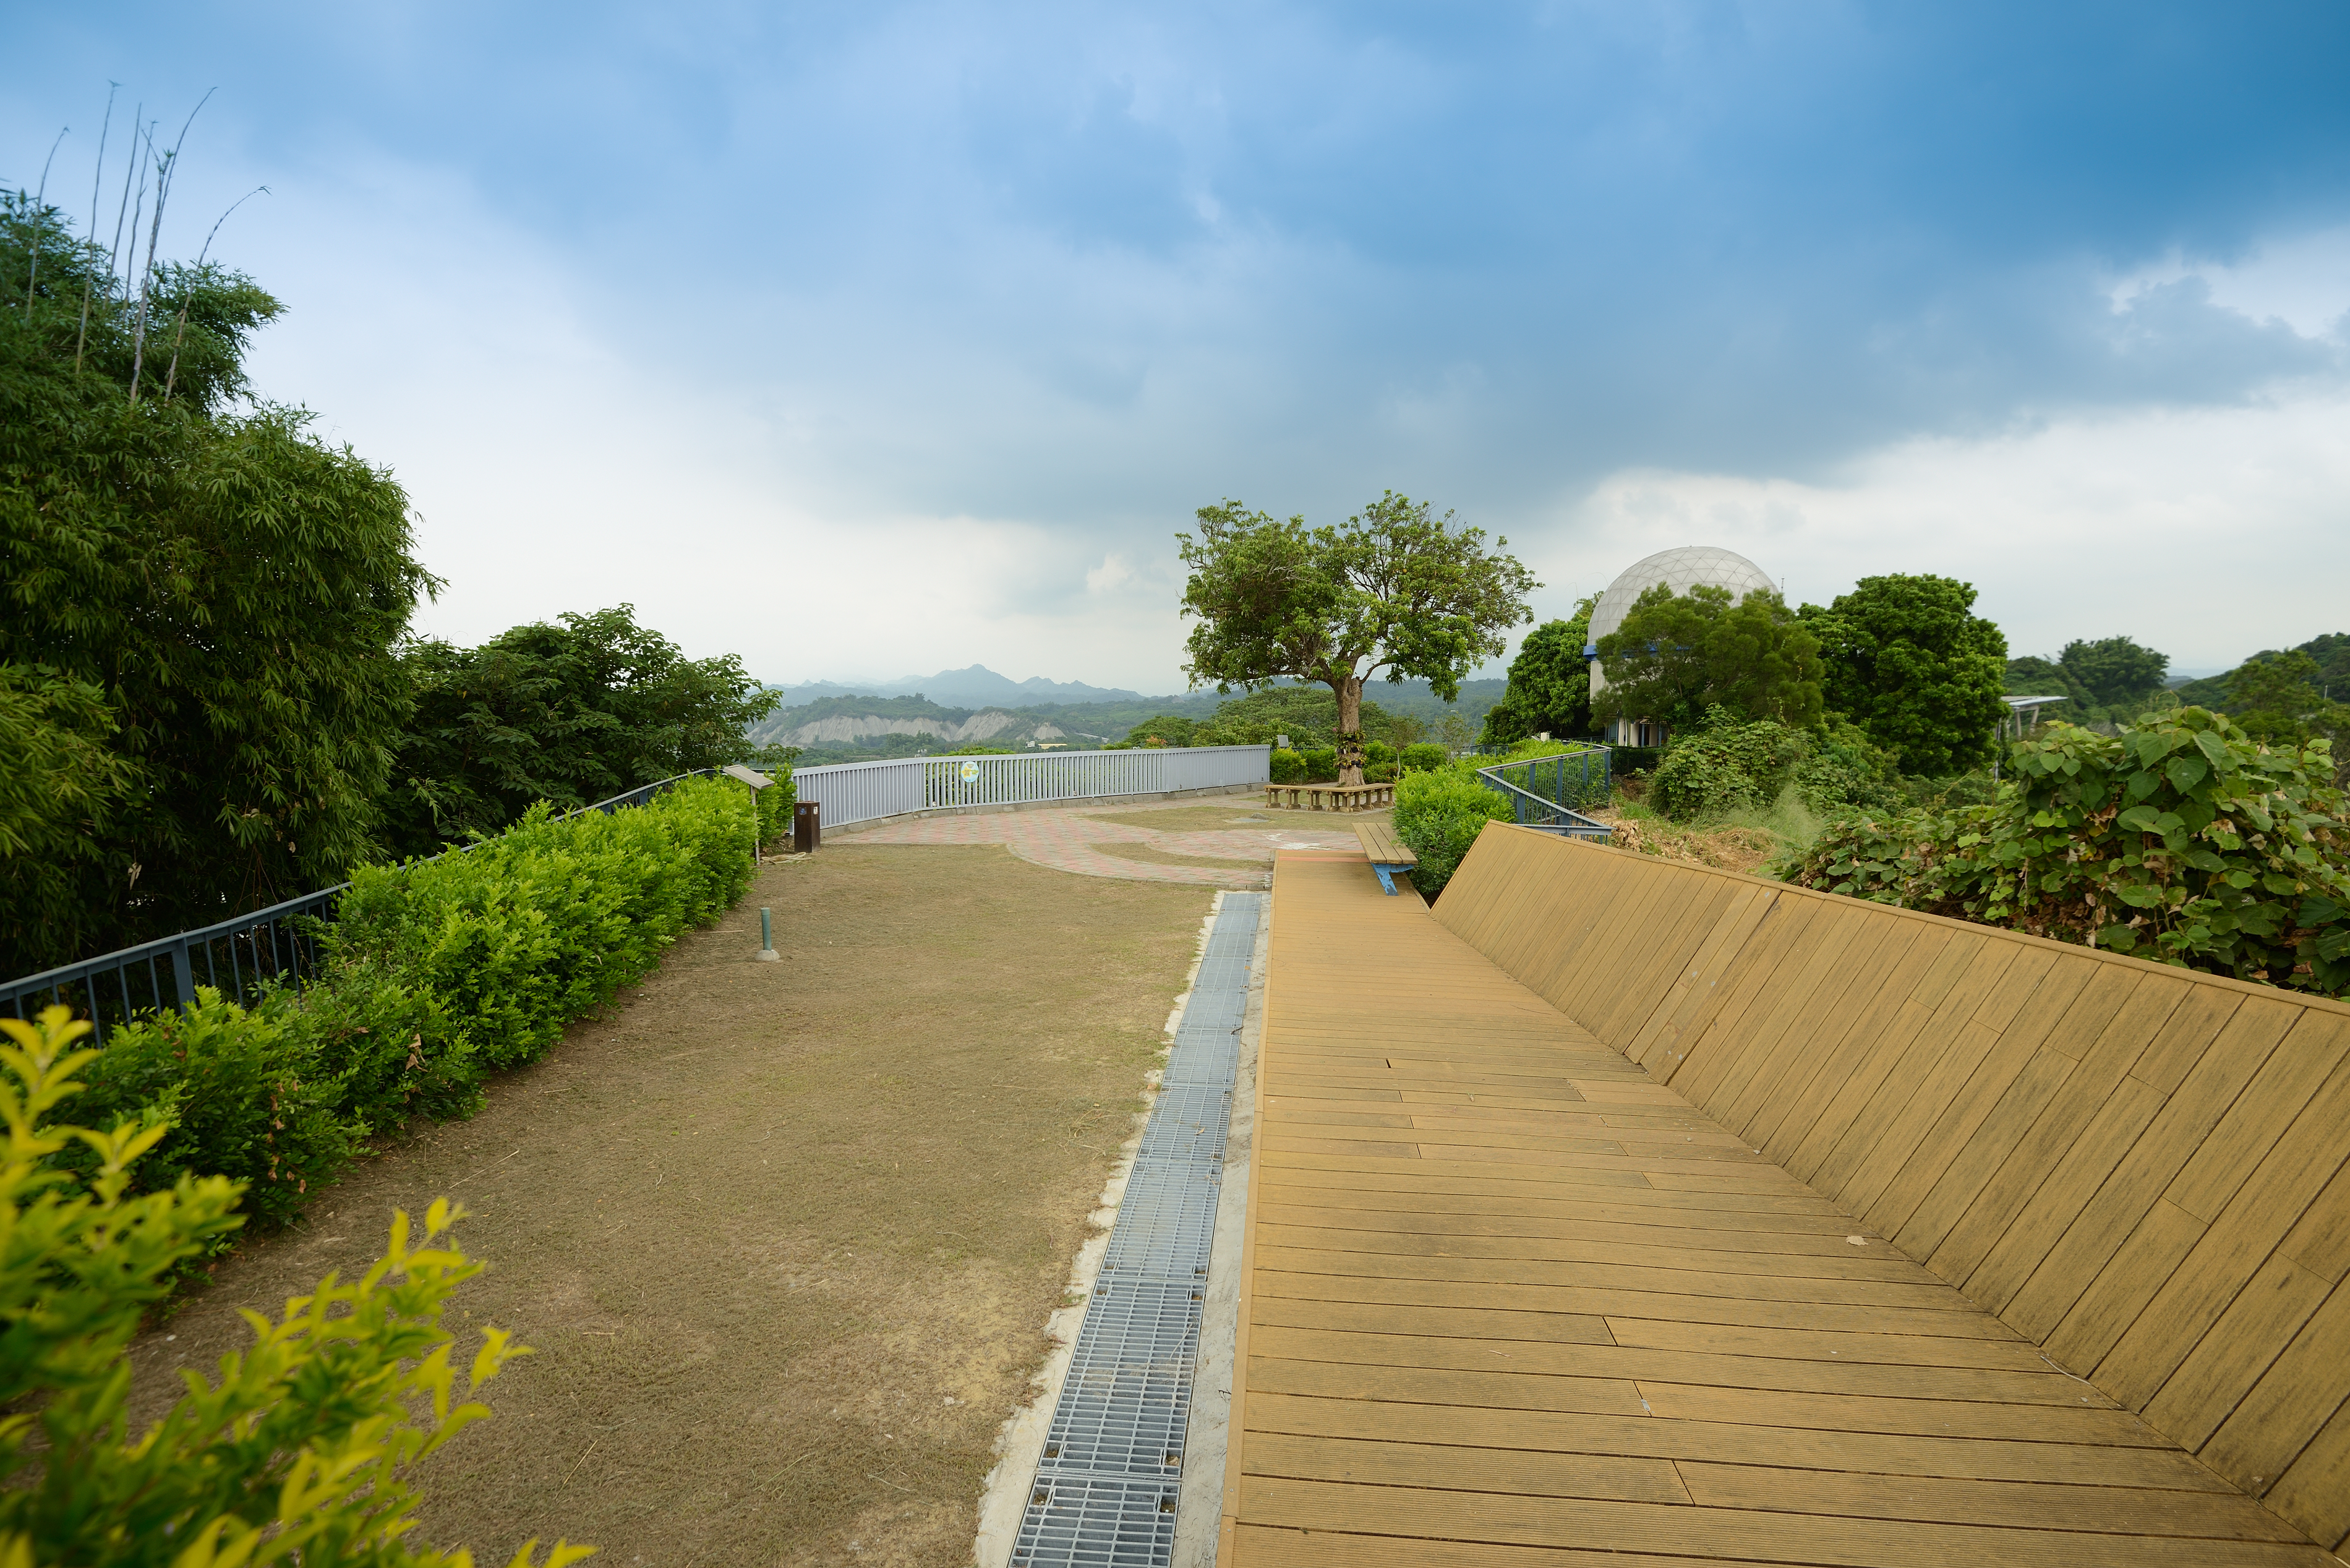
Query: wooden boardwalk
{"type": "Point", "coordinates": [1507, 1300]}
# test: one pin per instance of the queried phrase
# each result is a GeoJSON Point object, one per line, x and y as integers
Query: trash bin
{"type": "Point", "coordinates": [807, 826]}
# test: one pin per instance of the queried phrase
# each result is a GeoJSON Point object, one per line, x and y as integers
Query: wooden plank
{"type": "Point", "coordinates": [1263, 1546]}
{"type": "Point", "coordinates": [2313, 1046]}
{"type": "Point", "coordinates": [1479, 1324]}
{"type": "Point", "coordinates": [1752, 1534]}
{"type": "Point", "coordinates": [1379, 1463]}
{"type": "Point", "coordinates": [2288, 1406]}
{"type": "Point", "coordinates": [1810, 1037]}
{"type": "Point", "coordinates": [2031, 1505]}
{"type": "Point", "coordinates": [2106, 1026]}
{"type": "Point", "coordinates": [1873, 1453]}
{"type": "Point", "coordinates": [1973, 1101]}
{"type": "Point", "coordinates": [2247, 1339]}
{"type": "Point", "coordinates": [1494, 1267]}
{"type": "Point", "coordinates": [1799, 1140]}
{"type": "Point", "coordinates": [2099, 1146]}
{"type": "Point", "coordinates": [2320, 1241]}
{"type": "Point", "coordinates": [2315, 1492]}
{"type": "Point", "coordinates": [2120, 1291]}
{"type": "Point", "coordinates": [1890, 1380]}
{"type": "Point", "coordinates": [1625, 1301]}
{"type": "Point", "coordinates": [1795, 990]}
{"type": "Point", "coordinates": [1692, 990]}
{"type": "Point", "coordinates": [1916, 1418]}
{"type": "Point", "coordinates": [2106, 1221]}
{"type": "Point", "coordinates": [1820, 1344]}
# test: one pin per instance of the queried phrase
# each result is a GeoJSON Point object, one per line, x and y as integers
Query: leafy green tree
{"type": "Point", "coordinates": [1394, 590]}
{"type": "Point", "coordinates": [570, 713]}
{"type": "Point", "coordinates": [1678, 656]}
{"type": "Point", "coordinates": [1909, 662]}
{"type": "Point", "coordinates": [229, 584]}
{"type": "Point", "coordinates": [1550, 684]}
{"type": "Point", "coordinates": [2279, 701]}
{"type": "Point", "coordinates": [1166, 730]}
{"type": "Point", "coordinates": [2113, 673]}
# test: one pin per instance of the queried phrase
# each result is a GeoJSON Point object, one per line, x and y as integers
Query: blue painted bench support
{"type": "Point", "coordinates": [1386, 852]}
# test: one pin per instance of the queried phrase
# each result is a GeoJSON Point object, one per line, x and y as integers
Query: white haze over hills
{"type": "Point", "coordinates": [974, 687]}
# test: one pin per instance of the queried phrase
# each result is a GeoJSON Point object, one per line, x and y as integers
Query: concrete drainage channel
{"type": "Point", "coordinates": [1111, 1478]}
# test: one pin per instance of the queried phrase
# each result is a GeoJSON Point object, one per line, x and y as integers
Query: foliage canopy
{"type": "Point", "coordinates": [1550, 684]}
{"type": "Point", "coordinates": [201, 600]}
{"type": "Point", "coordinates": [1907, 660]}
{"type": "Point", "coordinates": [1393, 589]}
{"type": "Point", "coordinates": [1676, 657]}
{"type": "Point", "coordinates": [568, 713]}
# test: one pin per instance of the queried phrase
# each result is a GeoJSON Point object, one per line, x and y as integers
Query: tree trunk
{"type": "Point", "coordinates": [1351, 729]}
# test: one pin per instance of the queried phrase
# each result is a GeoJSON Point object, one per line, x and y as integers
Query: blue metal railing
{"type": "Point", "coordinates": [1547, 791]}
{"type": "Point", "coordinates": [236, 957]}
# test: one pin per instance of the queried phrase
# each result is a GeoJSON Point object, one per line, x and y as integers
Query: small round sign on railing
{"type": "Point", "coordinates": [969, 770]}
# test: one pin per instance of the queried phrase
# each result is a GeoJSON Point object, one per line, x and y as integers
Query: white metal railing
{"type": "Point", "coordinates": [861, 791]}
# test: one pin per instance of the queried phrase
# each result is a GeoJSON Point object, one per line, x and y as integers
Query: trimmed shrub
{"type": "Point", "coordinates": [1439, 814]}
{"type": "Point", "coordinates": [303, 1448]}
{"type": "Point", "coordinates": [436, 973]}
{"type": "Point", "coordinates": [1321, 765]}
{"type": "Point", "coordinates": [236, 1094]}
{"type": "Point", "coordinates": [546, 921]}
{"type": "Point", "coordinates": [1423, 756]}
{"type": "Point", "coordinates": [1288, 766]}
{"type": "Point", "coordinates": [2180, 839]}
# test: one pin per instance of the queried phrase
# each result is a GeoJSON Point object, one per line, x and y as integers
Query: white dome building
{"type": "Point", "coordinates": [1690, 565]}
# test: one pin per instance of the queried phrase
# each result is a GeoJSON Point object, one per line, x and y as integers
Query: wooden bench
{"type": "Point", "coordinates": [1386, 853]}
{"type": "Point", "coordinates": [1329, 796]}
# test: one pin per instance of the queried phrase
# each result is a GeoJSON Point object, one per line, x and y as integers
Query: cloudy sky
{"type": "Point", "coordinates": [873, 340]}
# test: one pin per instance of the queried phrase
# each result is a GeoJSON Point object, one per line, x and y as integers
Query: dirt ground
{"type": "Point", "coordinates": [1152, 854]}
{"type": "Point", "coordinates": [783, 1236]}
{"type": "Point", "coordinates": [1193, 818]}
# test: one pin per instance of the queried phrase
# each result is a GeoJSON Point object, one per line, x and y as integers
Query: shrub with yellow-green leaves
{"type": "Point", "coordinates": [300, 1450]}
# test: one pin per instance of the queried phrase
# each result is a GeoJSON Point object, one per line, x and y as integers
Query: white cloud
{"type": "Point", "coordinates": [2208, 533]}
{"type": "Point", "coordinates": [2303, 281]}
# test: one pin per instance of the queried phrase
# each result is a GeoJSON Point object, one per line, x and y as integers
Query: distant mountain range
{"type": "Point", "coordinates": [976, 687]}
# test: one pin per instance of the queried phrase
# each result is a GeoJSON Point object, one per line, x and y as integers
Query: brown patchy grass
{"type": "Point", "coordinates": [785, 1236]}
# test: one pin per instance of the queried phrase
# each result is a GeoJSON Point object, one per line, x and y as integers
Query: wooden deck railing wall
{"type": "Point", "coordinates": [2144, 1172]}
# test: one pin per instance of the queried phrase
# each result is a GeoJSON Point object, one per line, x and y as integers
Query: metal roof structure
{"type": "Point", "coordinates": [1689, 566]}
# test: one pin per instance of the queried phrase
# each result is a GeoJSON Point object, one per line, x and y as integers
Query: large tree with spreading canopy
{"type": "Point", "coordinates": [1393, 591]}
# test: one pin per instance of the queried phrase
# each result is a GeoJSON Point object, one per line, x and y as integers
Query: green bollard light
{"type": "Point", "coordinates": [767, 953]}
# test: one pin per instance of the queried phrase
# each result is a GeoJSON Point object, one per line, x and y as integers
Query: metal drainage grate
{"type": "Point", "coordinates": [1082, 1521]}
{"type": "Point", "coordinates": [1107, 1486]}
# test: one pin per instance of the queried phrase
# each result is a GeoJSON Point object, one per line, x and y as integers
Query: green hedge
{"type": "Point", "coordinates": [1439, 814]}
{"type": "Point", "coordinates": [437, 973]}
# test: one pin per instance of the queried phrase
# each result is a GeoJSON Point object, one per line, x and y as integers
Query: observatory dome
{"type": "Point", "coordinates": [1681, 569]}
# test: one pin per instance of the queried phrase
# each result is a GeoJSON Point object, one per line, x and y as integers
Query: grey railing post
{"type": "Point", "coordinates": [183, 974]}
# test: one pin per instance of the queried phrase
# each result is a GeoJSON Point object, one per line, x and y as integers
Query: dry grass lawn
{"type": "Point", "coordinates": [785, 1236]}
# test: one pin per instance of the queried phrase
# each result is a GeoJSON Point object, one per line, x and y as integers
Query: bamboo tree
{"type": "Point", "coordinates": [33, 273]}
{"type": "Point", "coordinates": [96, 177]}
{"type": "Point", "coordinates": [180, 333]}
{"type": "Point", "coordinates": [163, 171]}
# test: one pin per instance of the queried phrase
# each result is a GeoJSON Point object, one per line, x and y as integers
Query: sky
{"type": "Point", "coordinates": [871, 340]}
